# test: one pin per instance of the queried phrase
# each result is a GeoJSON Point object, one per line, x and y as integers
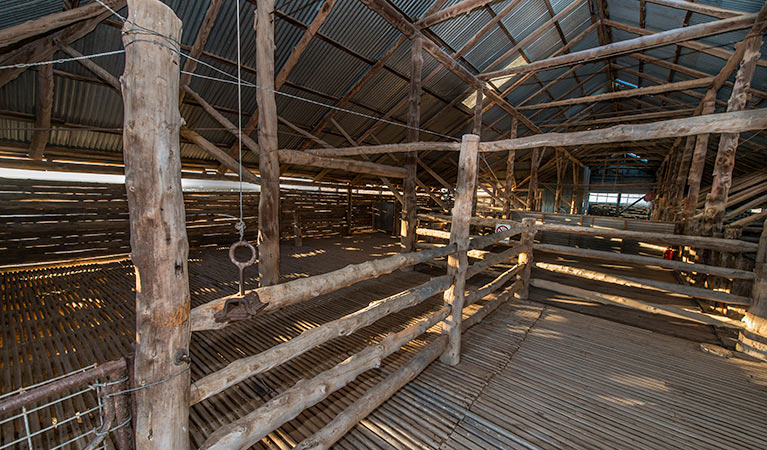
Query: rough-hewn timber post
{"type": "Point", "coordinates": [696, 166]}
{"type": "Point", "coordinates": [753, 340]}
{"type": "Point", "coordinates": [510, 181]}
{"type": "Point", "coordinates": [157, 226]}
{"type": "Point", "coordinates": [477, 129]}
{"type": "Point", "coordinates": [458, 263]}
{"type": "Point", "coordinates": [43, 111]}
{"type": "Point", "coordinates": [268, 162]}
{"type": "Point", "coordinates": [526, 258]}
{"type": "Point", "coordinates": [716, 200]}
{"type": "Point", "coordinates": [532, 186]}
{"type": "Point", "coordinates": [561, 163]}
{"type": "Point", "coordinates": [409, 210]}
{"type": "Point", "coordinates": [349, 209]}
{"type": "Point", "coordinates": [574, 205]}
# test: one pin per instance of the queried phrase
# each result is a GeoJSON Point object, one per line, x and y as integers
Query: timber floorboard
{"type": "Point", "coordinates": [518, 382]}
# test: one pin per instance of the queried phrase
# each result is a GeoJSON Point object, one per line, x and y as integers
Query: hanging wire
{"type": "Point", "coordinates": [241, 224]}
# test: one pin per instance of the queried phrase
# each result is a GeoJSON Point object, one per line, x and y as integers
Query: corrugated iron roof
{"type": "Point", "coordinates": [348, 42]}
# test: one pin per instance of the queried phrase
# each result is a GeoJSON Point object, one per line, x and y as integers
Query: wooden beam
{"type": "Point", "coordinates": [708, 10]}
{"type": "Point", "coordinates": [716, 201]}
{"type": "Point", "coordinates": [459, 9]}
{"type": "Point", "coordinates": [386, 182]}
{"type": "Point", "coordinates": [220, 155]}
{"type": "Point", "coordinates": [410, 208]}
{"type": "Point", "coordinates": [373, 397]}
{"type": "Point", "coordinates": [94, 68]}
{"type": "Point", "coordinates": [693, 45]}
{"type": "Point", "coordinates": [458, 263]}
{"type": "Point", "coordinates": [159, 247]}
{"type": "Point", "coordinates": [650, 90]}
{"type": "Point", "coordinates": [203, 33]}
{"type": "Point", "coordinates": [250, 366]}
{"type": "Point", "coordinates": [287, 68]}
{"type": "Point", "coordinates": [349, 165]}
{"type": "Point", "coordinates": [55, 21]}
{"type": "Point", "coordinates": [249, 429]}
{"type": "Point", "coordinates": [749, 120]}
{"type": "Point", "coordinates": [299, 290]}
{"type": "Point", "coordinates": [268, 161]}
{"type": "Point", "coordinates": [510, 179]}
{"type": "Point", "coordinates": [753, 340]}
{"type": "Point", "coordinates": [629, 45]}
{"type": "Point", "coordinates": [43, 111]}
{"type": "Point", "coordinates": [623, 302]}
{"type": "Point", "coordinates": [622, 118]}
{"type": "Point", "coordinates": [45, 47]}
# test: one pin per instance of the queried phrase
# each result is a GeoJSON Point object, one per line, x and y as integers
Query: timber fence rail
{"type": "Point", "coordinates": [708, 294]}
{"type": "Point", "coordinates": [96, 397]}
{"type": "Point", "coordinates": [287, 405]}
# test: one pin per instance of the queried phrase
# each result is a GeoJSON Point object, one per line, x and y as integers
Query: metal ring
{"type": "Point", "coordinates": [242, 264]}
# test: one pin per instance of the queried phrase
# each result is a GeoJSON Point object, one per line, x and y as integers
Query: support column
{"type": "Point", "coordinates": [716, 201]}
{"type": "Point", "coordinates": [458, 263]}
{"type": "Point", "coordinates": [511, 182]}
{"type": "Point", "coordinates": [561, 163]}
{"type": "Point", "coordinates": [696, 166]}
{"type": "Point", "coordinates": [477, 129]}
{"type": "Point", "coordinates": [43, 111]}
{"type": "Point", "coordinates": [349, 210]}
{"type": "Point", "coordinates": [526, 258]}
{"type": "Point", "coordinates": [409, 210]}
{"type": "Point", "coordinates": [574, 198]}
{"type": "Point", "coordinates": [753, 340]}
{"type": "Point", "coordinates": [159, 246]}
{"type": "Point", "coordinates": [532, 186]}
{"type": "Point", "coordinates": [268, 163]}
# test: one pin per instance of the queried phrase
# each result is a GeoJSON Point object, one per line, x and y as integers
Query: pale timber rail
{"type": "Point", "coordinates": [692, 292]}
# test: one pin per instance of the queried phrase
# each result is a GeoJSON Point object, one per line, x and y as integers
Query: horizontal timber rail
{"type": "Point", "coordinates": [616, 300]}
{"type": "Point", "coordinates": [287, 405]}
{"type": "Point", "coordinates": [475, 242]}
{"type": "Point", "coordinates": [292, 292]}
{"type": "Point", "coordinates": [727, 245]}
{"type": "Point", "coordinates": [249, 429]}
{"type": "Point", "coordinates": [253, 365]}
{"type": "Point", "coordinates": [729, 122]}
{"type": "Point", "coordinates": [689, 291]}
{"type": "Point", "coordinates": [681, 266]}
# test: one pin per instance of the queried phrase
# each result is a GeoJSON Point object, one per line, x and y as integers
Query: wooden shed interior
{"type": "Point", "coordinates": [447, 224]}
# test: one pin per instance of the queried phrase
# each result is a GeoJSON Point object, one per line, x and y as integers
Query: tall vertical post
{"type": "Point", "coordinates": [511, 182]}
{"type": "Point", "coordinates": [458, 263]}
{"type": "Point", "coordinates": [477, 129]}
{"type": "Point", "coordinates": [696, 166]}
{"type": "Point", "coordinates": [574, 198]}
{"type": "Point", "coordinates": [561, 163]}
{"type": "Point", "coordinates": [159, 246]}
{"type": "Point", "coordinates": [526, 257]}
{"type": "Point", "coordinates": [532, 187]}
{"type": "Point", "coordinates": [716, 201]}
{"type": "Point", "coordinates": [268, 162]}
{"type": "Point", "coordinates": [349, 210]}
{"type": "Point", "coordinates": [409, 210]}
{"type": "Point", "coordinates": [753, 340]}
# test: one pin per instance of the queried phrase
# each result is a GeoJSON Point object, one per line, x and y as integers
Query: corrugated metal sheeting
{"type": "Point", "coordinates": [351, 39]}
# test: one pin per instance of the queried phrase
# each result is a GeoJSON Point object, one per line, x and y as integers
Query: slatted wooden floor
{"type": "Point", "coordinates": [531, 374]}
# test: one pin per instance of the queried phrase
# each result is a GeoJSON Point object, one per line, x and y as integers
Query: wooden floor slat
{"type": "Point", "coordinates": [531, 374]}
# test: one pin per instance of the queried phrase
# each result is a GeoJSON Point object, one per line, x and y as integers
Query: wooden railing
{"type": "Point", "coordinates": [674, 240]}
{"type": "Point", "coordinates": [289, 404]}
